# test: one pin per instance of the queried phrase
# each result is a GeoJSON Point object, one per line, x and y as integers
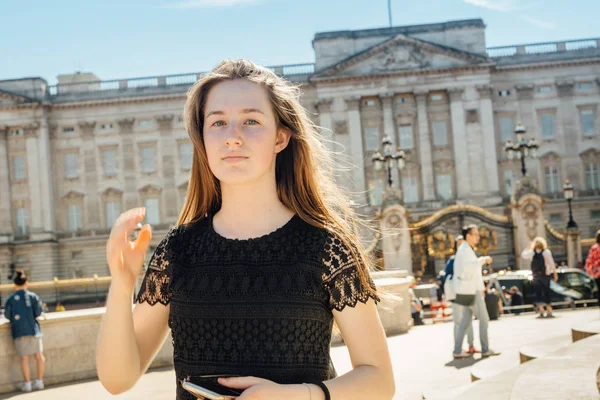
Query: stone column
{"type": "Point", "coordinates": [130, 195]}
{"type": "Point", "coordinates": [323, 106]}
{"type": "Point", "coordinates": [390, 129]}
{"type": "Point", "coordinates": [567, 117]}
{"type": "Point", "coordinates": [169, 150]}
{"type": "Point", "coordinates": [395, 233]}
{"type": "Point", "coordinates": [34, 175]}
{"type": "Point", "coordinates": [528, 219]}
{"type": "Point", "coordinates": [459, 141]}
{"type": "Point", "coordinates": [46, 176]}
{"type": "Point", "coordinates": [425, 155]}
{"type": "Point", "coordinates": [573, 242]}
{"type": "Point", "coordinates": [489, 141]}
{"type": "Point", "coordinates": [92, 201]}
{"type": "Point", "coordinates": [356, 148]}
{"type": "Point", "coordinates": [5, 197]}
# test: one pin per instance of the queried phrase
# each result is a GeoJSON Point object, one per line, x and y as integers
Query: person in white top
{"type": "Point", "coordinates": [542, 267]}
{"type": "Point", "coordinates": [469, 283]}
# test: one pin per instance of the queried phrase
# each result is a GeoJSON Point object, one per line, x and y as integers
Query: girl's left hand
{"type": "Point", "coordinates": [254, 388]}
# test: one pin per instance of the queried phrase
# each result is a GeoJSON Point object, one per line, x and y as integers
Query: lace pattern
{"type": "Point", "coordinates": [156, 286]}
{"type": "Point", "coordinates": [342, 277]}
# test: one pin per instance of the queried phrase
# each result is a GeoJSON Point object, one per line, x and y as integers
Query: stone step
{"type": "Point", "coordinates": [539, 350]}
{"type": "Point", "coordinates": [585, 330]}
{"type": "Point", "coordinates": [570, 372]}
{"type": "Point", "coordinates": [493, 366]}
{"type": "Point", "coordinates": [445, 393]}
{"type": "Point", "coordinates": [573, 369]}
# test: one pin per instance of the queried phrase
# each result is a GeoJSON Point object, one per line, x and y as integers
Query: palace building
{"type": "Point", "coordinates": [73, 156]}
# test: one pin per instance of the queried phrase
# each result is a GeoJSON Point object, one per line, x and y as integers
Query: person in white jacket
{"type": "Point", "coordinates": [469, 281]}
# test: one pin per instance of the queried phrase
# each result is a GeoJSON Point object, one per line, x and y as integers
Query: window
{"type": "Point", "coordinates": [587, 123]}
{"type": "Point", "coordinates": [375, 192]}
{"type": "Point", "coordinates": [592, 176]}
{"type": "Point", "coordinates": [18, 168]}
{"type": "Point", "coordinates": [544, 89]}
{"type": "Point", "coordinates": [113, 210]}
{"type": "Point", "coordinates": [148, 154]}
{"type": "Point", "coordinates": [109, 162]}
{"type": "Point", "coordinates": [369, 103]}
{"type": "Point", "coordinates": [410, 188]}
{"type": "Point", "coordinates": [507, 125]}
{"type": "Point", "coordinates": [105, 127]}
{"type": "Point", "coordinates": [145, 123]}
{"type": "Point", "coordinates": [77, 255]}
{"type": "Point", "coordinates": [437, 97]}
{"type": "Point", "coordinates": [547, 121]}
{"type": "Point", "coordinates": [552, 181]}
{"type": "Point", "coordinates": [444, 186]}
{"type": "Point", "coordinates": [22, 221]}
{"type": "Point", "coordinates": [68, 129]}
{"type": "Point", "coordinates": [371, 139]}
{"type": "Point", "coordinates": [555, 218]}
{"type": "Point", "coordinates": [585, 85]}
{"type": "Point", "coordinates": [509, 182]}
{"type": "Point", "coordinates": [74, 212]}
{"type": "Point", "coordinates": [71, 165]}
{"type": "Point", "coordinates": [440, 136]}
{"type": "Point", "coordinates": [503, 93]}
{"type": "Point", "coordinates": [406, 137]}
{"type": "Point", "coordinates": [16, 132]}
{"type": "Point", "coordinates": [595, 214]}
{"type": "Point", "coordinates": [185, 155]}
{"type": "Point", "coordinates": [402, 100]}
{"type": "Point", "coordinates": [152, 212]}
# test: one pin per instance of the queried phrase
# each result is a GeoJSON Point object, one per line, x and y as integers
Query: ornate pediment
{"type": "Point", "coordinates": [402, 53]}
{"type": "Point", "coordinates": [74, 195]}
{"type": "Point", "coordinates": [8, 98]}
{"type": "Point", "coordinates": [150, 190]}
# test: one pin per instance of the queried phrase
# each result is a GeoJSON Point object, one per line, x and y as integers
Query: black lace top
{"type": "Point", "coordinates": [260, 307]}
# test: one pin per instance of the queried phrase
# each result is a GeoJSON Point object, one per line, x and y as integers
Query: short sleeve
{"type": "Point", "coordinates": [156, 286]}
{"type": "Point", "coordinates": [37, 308]}
{"type": "Point", "coordinates": [342, 277]}
{"type": "Point", "coordinates": [8, 311]}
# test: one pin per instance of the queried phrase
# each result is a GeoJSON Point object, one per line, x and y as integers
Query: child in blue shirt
{"type": "Point", "coordinates": [22, 310]}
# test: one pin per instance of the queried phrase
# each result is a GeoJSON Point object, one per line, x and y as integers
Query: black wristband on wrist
{"type": "Point", "coordinates": [324, 389]}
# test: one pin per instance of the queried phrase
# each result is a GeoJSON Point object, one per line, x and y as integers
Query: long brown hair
{"type": "Point", "coordinates": [302, 169]}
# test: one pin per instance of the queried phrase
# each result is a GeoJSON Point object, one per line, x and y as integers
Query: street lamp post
{"type": "Point", "coordinates": [568, 191]}
{"type": "Point", "coordinates": [388, 158]}
{"type": "Point", "coordinates": [521, 148]}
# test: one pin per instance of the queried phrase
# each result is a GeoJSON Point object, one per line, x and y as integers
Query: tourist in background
{"type": "Point", "coordinates": [516, 299]}
{"type": "Point", "coordinates": [416, 306]}
{"type": "Point", "coordinates": [542, 269]}
{"type": "Point", "coordinates": [592, 263]}
{"type": "Point", "coordinates": [23, 309]}
{"type": "Point", "coordinates": [468, 283]}
{"type": "Point", "coordinates": [449, 291]}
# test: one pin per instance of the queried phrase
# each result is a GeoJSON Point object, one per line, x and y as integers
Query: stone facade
{"type": "Point", "coordinates": [74, 155]}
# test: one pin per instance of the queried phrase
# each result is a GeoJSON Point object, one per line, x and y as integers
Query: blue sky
{"type": "Point", "coordinates": [130, 38]}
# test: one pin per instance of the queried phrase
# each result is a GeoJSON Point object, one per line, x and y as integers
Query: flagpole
{"type": "Point", "coordinates": [390, 11]}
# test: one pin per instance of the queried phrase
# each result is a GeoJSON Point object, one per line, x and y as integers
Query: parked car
{"type": "Point", "coordinates": [573, 284]}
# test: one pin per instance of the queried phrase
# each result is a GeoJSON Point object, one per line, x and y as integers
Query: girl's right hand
{"type": "Point", "coordinates": [125, 257]}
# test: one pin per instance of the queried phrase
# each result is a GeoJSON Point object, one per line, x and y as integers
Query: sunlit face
{"type": "Point", "coordinates": [473, 237]}
{"type": "Point", "coordinates": [240, 132]}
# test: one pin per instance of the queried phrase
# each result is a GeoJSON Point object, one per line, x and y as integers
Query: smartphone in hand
{"type": "Point", "coordinates": [208, 387]}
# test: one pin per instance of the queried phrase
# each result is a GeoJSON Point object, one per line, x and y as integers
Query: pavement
{"type": "Point", "coordinates": [422, 359]}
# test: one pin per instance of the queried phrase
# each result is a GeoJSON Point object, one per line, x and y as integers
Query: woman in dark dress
{"type": "Point", "coordinates": [264, 259]}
